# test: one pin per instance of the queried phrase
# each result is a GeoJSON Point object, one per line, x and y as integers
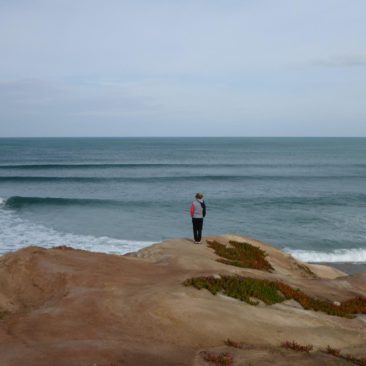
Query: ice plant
{"type": "Point", "coordinates": [248, 289]}
{"type": "Point", "coordinates": [241, 254]}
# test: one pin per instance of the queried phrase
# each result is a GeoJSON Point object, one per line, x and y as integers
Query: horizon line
{"type": "Point", "coordinates": [152, 137]}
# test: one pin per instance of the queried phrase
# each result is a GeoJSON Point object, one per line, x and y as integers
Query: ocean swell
{"type": "Point", "coordinates": [17, 202]}
{"type": "Point", "coordinates": [173, 179]}
{"type": "Point", "coordinates": [359, 200]}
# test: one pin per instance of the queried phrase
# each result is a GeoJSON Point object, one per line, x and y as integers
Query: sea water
{"type": "Point", "coordinates": [115, 195]}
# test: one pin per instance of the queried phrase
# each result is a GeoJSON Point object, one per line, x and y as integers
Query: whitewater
{"type": "Point", "coordinates": [17, 233]}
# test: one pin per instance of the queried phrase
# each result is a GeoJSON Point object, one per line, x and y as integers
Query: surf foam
{"type": "Point", "coordinates": [356, 255]}
{"type": "Point", "coordinates": [17, 233]}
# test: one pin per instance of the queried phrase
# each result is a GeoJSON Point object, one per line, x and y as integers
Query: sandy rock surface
{"type": "Point", "coordinates": [65, 307]}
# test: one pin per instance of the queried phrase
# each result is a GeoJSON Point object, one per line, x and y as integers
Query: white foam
{"type": "Point", "coordinates": [2, 201]}
{"type": "Point", "coordinates": [356, 255]}
{"type": "Point", "coordinates": [17, 233]}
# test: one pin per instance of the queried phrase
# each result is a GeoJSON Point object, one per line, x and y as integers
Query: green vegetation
{"type": "Point", "coordinates": [271, 292]}
{"type": "Point", "coordinates": [356, 305]}
{"type": "Point", "coordinates": [241, 255]}
{"type": "Point", "coordinates": [240, 288]}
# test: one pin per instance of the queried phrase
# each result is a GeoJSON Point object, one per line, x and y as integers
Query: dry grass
{"type": "Point", "coordinates": [297, 347]}
{"type": "Point", "coordinates": [221, 359]}
{"type": "Point", "coordinates": [241, 254]}
{"type": "Point", "coordinates": [337, 353]}
{"type": "Point", "coordinates": [271, 292]}
{"type": "Point", "coordinates": [332, 351]}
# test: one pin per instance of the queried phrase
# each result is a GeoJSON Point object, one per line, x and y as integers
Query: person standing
{"type": "Point", "coordinates": [198, 212]}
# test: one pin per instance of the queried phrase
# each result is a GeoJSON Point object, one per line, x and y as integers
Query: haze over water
{"type": "Point", "coordinates": [307, 195]}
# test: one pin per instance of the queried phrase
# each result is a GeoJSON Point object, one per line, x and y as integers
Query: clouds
{"type": "Point", "coordinates": [173, 67]}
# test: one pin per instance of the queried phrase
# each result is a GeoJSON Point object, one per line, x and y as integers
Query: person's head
{"type": "Point", "coordinates": [199, 196]}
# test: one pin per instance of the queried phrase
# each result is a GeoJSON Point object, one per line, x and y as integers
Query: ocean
{"type": "Point", "coordinates": [115, 195]}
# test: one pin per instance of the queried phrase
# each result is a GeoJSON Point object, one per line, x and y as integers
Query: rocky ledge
{"type": "Point", "coordinates": [229, 301]}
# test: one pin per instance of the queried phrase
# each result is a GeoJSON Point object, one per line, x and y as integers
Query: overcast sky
{"type": "Point", "coordinates": [182, 68]}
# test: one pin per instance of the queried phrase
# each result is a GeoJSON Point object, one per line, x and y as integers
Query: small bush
{"type": "Point", "coordinates": [241, 255]}
{"type": "Point", "coordinates": [222, 359]}
{"type": "Point", "coordinates": [297, 347]}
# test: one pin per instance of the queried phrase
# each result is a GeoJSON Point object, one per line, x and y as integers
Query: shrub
{"type": "Point", "coordinates": [241, 255]}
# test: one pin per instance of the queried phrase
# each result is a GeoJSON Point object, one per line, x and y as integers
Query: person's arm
{"type": "Point", "coordinates": [192, 210]}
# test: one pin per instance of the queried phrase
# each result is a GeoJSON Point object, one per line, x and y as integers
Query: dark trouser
{"type": "Point", "coordinates": [197, 229]}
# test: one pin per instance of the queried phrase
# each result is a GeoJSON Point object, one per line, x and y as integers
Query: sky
{"type": "Point", "coordinates": [182, 68]}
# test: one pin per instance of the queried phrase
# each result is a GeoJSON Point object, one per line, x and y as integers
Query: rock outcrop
{"type": "Point", "coordinates": [65, 307]}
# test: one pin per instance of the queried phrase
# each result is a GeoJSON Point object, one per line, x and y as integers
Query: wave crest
{"type": "Point", "coordinates": [356, 199]}
{"type": "Point", "coordinates": [19, 201]}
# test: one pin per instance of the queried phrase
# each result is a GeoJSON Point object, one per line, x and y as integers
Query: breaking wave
{"type": "Point", "coordinates": [17, 233]}
{"type": "Point", "coordinates": [356, 255]}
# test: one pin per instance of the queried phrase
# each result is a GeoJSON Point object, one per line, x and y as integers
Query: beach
{"type": "Point", "coordinates": [64, 306]}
